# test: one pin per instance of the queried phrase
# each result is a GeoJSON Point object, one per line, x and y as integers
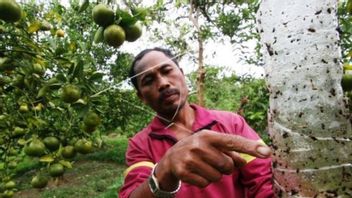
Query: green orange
{"type": "Point", "coordinates": [56, 170]}
{"type": "Point", "coordinates": [70, 93]}
{"type": "Point", "coordinates": [114, 35]}
{"type": "Point", "coordinates": [24, 108]}
{"type": "Point", "coordinates": [68, 152]}
{"type": "Point", "coordinates": [36, 148]}
{"type": "Point", "coordinates": [133, 32]}
{"type": "Point", "coordinates": [84, 146]}
{"type": "Point", "coordinates": [10, 185]}
{"type": "Point", "coordinates": [18, 131]}
{"type": "Point", "coordinates": [10, 11]}
{"type": "Point", "coordinates": [52, 143]}
{"type": "Point", "coordinates": [103, 15]}
{"type": "Point", "coordinates": [39, 181]}
{"type": "Point", "coordinates": [91, 120]}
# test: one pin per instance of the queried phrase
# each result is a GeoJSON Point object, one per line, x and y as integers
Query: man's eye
{"type": "Point", "coordinates": [147, 81]}
{"type": "Point", "coordinates": [167, 70]}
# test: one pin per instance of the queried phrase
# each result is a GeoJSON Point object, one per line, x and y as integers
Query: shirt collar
{"type": "Point", "coordinates": [203, 118]}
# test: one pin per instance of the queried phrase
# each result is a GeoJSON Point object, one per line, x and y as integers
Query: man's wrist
{"type": "Point", "coordinates": [157, 189]}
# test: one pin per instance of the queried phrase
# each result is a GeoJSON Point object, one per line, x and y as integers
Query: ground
{"type": "Point", "coordinates": [87, 179]}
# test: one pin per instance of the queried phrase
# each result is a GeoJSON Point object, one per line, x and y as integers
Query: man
{"type": "Point", "coordinates": [188, 151]}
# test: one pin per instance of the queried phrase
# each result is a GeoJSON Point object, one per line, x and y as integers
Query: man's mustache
{"type": "Point", "coordinates": [167, 92]}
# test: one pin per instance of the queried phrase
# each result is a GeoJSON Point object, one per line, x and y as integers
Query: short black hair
{"type": "Point", "coordinates": [141, 54]}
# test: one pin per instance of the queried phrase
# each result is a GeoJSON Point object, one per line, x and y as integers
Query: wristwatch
{"type": "Point", "coordinates": [155, 189]}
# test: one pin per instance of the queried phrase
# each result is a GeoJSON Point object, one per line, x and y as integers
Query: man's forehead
{"type": "Point", "coordinates": [152, 60]}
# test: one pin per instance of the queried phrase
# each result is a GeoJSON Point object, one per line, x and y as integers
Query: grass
{"type": "Point", "coordinates": [99, 174]}
{"type": "Point", "coordinates": [113, 150]}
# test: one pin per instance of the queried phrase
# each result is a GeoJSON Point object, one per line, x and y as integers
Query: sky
{"type": "Point", "coordinates": [225, 56]}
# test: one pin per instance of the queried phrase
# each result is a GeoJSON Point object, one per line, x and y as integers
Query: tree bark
{"type": "Point", "coordinates": [308, 120]}
{"type": "Point", "coordinates": [200, 71]}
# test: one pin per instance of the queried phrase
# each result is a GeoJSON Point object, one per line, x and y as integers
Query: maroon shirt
{"type": "Point", "coordinates": [149, 145]}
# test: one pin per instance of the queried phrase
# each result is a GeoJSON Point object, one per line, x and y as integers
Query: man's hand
{"type": "Point", "coordinates": [204, 157]}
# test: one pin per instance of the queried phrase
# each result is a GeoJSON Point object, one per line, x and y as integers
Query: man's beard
{"type": "Point", "coordinates": [171, 111]}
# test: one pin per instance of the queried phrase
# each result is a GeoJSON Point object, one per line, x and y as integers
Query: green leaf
{"type": "Point", "coordinates": [99, 35]}
{"type": "Point", "coordinates": [22, 142]}
{"type": "Point", "coordinates": [125, 18]}
{"type": "Point", "coordinates": [96, 76]}
{"type": "Point", "coordinates": [78, 69]}
{"type": "Point", "coordinates": [34, 27]}
{"type": "Point", "coordinates": [42, 91]}
{"type": "Point", "coordinates": [55, 85]}
{"type": "Point", "coordinates": [51, 104]}
{"type": "Point", "coordinates": [46, 158]}
{"type": "Point", "coordinates": [140, 13]}
{"type": "Point", "coordinates": [84, 6]}
{"type": "Point", "coordinates": [81, 101]}
{"type": "Point", "coordinates": [36, 122]}
{"type": "Point", "coordinates": [66, 163]}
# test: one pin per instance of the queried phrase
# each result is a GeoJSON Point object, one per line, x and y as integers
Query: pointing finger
{"type": "Point", "coordinates": [240, 144]}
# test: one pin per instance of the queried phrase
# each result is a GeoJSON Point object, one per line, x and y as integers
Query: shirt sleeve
{"type": "Point", "coordinates": [256, 175]}
{"type": "Point", "coordinates": [139, 168]}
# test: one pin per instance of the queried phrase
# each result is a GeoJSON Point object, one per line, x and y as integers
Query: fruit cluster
{"type": "Point", "coordinates": [38, 148]}
{"type": "Point", "coordinates": [116, 27]}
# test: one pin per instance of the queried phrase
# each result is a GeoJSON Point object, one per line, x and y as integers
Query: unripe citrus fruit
{"type": "Point", "coordinates": [18, 131]}
{"type": "Point", "coordinates": [84, 146]}
{"type": "Point", "coordinates": [70, 93]}
{"type": "Point", "coordinates": [133, 32]}
{"type": "Point", "coordinates": [60, 33]}
{"type": "Point", "coordinates": [10, 185]}
{"type": "Point", "coordinates": [114, 35]}
{"type": "Point", "coordinates": [39, 181]}
{"type": "Point", "coordinates": [38, 69]}
{"type": "Point", "coordinates": [8, 194]}
{"type": "Point", "coordinates": [103, 15]}
{"type": "Point", "coordinates": [35, 148]}
{"type": "Point", "coordinates": [68, 152]}
{"type": "Point", "coordinates": [52, 143]}
{"type": "Point", "coordinates": [92, 119]}
{"type": "Point", "coordinates": [12, 165]}
{"type": "Point", "coordinates": [56, 170]}
{"type": "Point", "coordinates": [38, 107]}
{"type": "Point", "coordinates": [10, 11]}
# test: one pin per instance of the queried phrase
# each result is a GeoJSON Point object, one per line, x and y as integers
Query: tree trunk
{"type": "Point", "coordinates": [200, 73]}
{"type": "Point", "coordinates": [193, 16]}
{"type": "Point", "coordinates": [308, 119]}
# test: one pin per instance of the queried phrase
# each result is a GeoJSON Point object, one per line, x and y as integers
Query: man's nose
{"type": "Point", "coordinates": [163, 83]}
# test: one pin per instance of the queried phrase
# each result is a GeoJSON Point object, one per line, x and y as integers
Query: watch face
{"type": "Point", "coordinates": [152, 185]}
{"type": "Point", "coordinates": [157, 192]}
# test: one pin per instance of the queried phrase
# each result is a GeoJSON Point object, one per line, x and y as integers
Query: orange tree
{"type": "Point", "coordinates": [53, 62]}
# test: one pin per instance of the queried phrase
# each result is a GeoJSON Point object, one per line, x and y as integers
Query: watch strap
{"type": "Point", "coordinates": [155, 188]}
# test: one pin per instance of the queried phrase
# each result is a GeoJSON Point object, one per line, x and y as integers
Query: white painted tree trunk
{"type": "Point", "coordinates": [308, 119]}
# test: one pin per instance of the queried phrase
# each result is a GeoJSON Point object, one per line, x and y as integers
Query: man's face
{"type": "Point", "coordinates": [162, 84]}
